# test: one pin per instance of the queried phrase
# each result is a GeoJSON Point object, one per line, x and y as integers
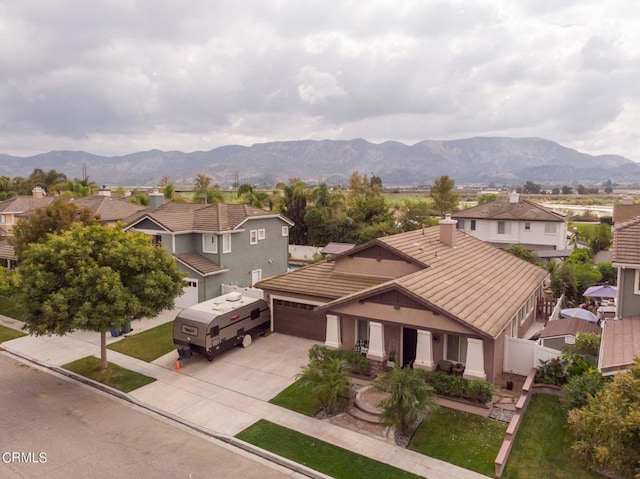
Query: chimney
{"type": "Point", "coordinates": [448, 231]}
{"type": "Point", "coordinates": [514, 197]}
{"type": "Point", "coordinates": [38, 192]}
{"type": "Point", "coordinates": [627, 200]}
{"type": "Point", "coordinates": [104, 191]}
{"type": "Point", "coordinates": [156, 199]}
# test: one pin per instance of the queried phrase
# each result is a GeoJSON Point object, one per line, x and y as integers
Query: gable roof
{"type": "Point", "coordinates": [200, 263]}
{"type": "Point", "coordinates": [568, 327]}
{"type": "Point", "coordinates": [468, 282]}
{"type": "Point", "coordinates": [189, 217]}
{"type": "Point", "coordinates": [20, 204]}
{"type": "Point", "coordinates": [503, 209]}
{"type": "Point", "coordinates": [108, 208]}
{"type": "Point", "coordinates": [626, 245]}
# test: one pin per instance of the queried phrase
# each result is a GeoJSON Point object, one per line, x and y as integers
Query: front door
{"type": "Point", "coordinates": [409, 343]}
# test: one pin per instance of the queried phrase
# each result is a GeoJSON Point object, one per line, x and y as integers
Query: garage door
{"type": "Point", "coordinates": [189, 297]}
{"type": "Point", "coordinates": [299, 319]}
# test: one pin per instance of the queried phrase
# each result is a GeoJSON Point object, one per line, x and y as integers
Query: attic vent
{"type": "Point", "coordinates": [234, 296]}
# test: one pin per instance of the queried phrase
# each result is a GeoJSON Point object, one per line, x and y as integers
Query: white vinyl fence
{"type": "Point", "coordinates": [520, 355]}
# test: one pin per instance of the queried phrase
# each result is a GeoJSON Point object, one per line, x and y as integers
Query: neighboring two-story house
{"type": "Point", "coordinates": [236, 245]}
{"type": "Point", "coordinates": [621, 335]}
{"type": "Point", "coordinates": [514, 220]}
{"type": "Point", "coordinates": [419, 298]}
{"type": "Point", "coordinates": [12, 209]}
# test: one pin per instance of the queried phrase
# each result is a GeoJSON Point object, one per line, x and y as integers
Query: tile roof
{"type": "Point", "coordinates": [6, 250]}
{"type": "Point", "coordinates": [187, 217]}
{"type": "Point", "coordinates": [474, 282]}
{"type": "Point", "coordinates": [503, 209]}
{"type": "Point", "coordinates": [108, 208]}
{"type": "Point", "coordinates": [20, 204]}
{"type": "Point", "coordinates": [620, 343]}
{"type": "Point", "coordinates": [622, 212]}
{"type": "Point", "coordinates": [200, 263]}
{"type": "Point", "coordinates": [626, 245]}
{"type": "Point", "coordinates": [568, 326]}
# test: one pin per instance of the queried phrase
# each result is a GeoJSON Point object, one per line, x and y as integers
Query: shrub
{"type": "Point", "coordinates": [580, 388]}
{"type": "Point", "coordinates": [551, 372]}
{"type": "Point", "coordinates": [458, 387]}
{"type": "Point", "coordinates": [358, 363]}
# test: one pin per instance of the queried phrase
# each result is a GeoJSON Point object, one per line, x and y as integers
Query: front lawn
{"type": "Point", "coordinates": [148, 345]}
{"type": "Point", "coordinates": [115, 376]}
{"type": "Point", "coordinates": [543, 445]}
{"type": "Point", "coordinates": [319, 455]}
{"type": "Point", "coordinates": [299, 399]}
{"type": "Point", "coordinates": [460, 438]}
{"type": "Point", "coordinates": [7, 334]}
{"type": "Point", "coordinates": [9, 307]}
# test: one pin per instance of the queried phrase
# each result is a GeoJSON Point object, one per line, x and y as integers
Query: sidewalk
{"type": "Point", "coordinates": [229, 394]}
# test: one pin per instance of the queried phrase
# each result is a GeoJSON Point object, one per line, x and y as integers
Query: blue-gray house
{"type": "Point", "coordinates": [236, 245]}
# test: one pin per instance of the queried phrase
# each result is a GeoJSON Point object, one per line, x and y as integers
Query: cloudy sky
{"type": "Point", "coordinates": [122, 76]}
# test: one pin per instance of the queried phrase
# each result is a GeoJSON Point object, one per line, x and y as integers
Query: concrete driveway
{"type": "Point", "coordinates": [231, 392]}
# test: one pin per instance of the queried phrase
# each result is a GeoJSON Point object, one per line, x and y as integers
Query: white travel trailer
{"type": "Point", "coordinates": [219, 324]}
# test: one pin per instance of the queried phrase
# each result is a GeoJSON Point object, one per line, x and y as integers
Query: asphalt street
{"type": "Point", "coordinates": [52, 427]}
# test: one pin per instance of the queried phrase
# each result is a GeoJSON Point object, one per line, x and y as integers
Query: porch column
{"type": "Point", "coordinates": [376, 342]}
{"type": "Point", "coordinates": [333, 341]}
{"type": "Point", "coordinates": [424, 352]}
{"type": "Point", "coordinates": [475, 360]}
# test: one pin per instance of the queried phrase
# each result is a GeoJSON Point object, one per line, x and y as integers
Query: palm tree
{"type": "Point", "coordinates": [329, 381]}
{"type": "Point", "coordinates": [50, 180]}
{"type": "Point", "coordinates": [409, 398]}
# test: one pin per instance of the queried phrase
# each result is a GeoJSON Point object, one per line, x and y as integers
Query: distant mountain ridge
{"type": "Point", "coordinates": [473, 160]}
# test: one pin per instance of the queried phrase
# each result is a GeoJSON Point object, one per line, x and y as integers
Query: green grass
{"type": "Point", "coordinates": [298, 398]}
{"type": "Point", "coordinates": [463, 439]}
{"type": "Point", "coordinates": [8, 307]}
{"type": "Point", "coordinates": [148, 345]}
{"type": "Point", "coordinates": [115, 376]}
{"type": "Point", "coordinates": [543, 445]}
{"type": "Point", "coordinates": [319, 455]}
{"type": "Point", "coordinates": [7, 334]}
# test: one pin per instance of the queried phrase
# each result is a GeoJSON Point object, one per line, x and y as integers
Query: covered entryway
{"type": "Point", "coordinates": [189, 297]}
{"type": "Point", "coordinates": [409, 343]}
{"type": "Point", "coordinates": [299, 319]}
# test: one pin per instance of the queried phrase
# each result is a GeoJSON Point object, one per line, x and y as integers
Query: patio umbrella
{"type": "Point", "coordinates": [601, 291]}
{"type": "Point", "coordinates": [579, 313]}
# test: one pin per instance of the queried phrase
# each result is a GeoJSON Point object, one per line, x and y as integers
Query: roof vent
{"type": "Point", "coordinates": [234, 296]}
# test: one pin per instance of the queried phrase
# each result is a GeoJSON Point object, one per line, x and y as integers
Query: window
{"type": "Point", "coordinates": [457, 348]}
{"type": "Point", "coordinates": [261, 234]}
{"type": "Point", "coordinates": [473, 225]}
{"type": "Point", "coordinates": [504, 228]}
{"type": "Point", "coordinates": [460, 224]}
{"type": "Point", "coordinates": [156, 240]}
{"type": "Point", "coordinates": [636, 284]}
{"type": "Point", "coordinates": [527, 226]}
{"type": "Point", "coordinates": [226, 243]}
{"type": "Point", "coordinates": [256, 276]}
{"type": "Point", "coordinates": [210, 243]}
{"type": "Point", "coordinates": [285, 231]}
{"type": "Point", "coordinates": [255, 313]}
{"type": "Point", "coordinates": [550, 228]}
{"type": "Point", "coordinates": [253, 237]}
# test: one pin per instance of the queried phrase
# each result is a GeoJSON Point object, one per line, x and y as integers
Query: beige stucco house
{"type": "Point", "coordinates": [416, 298]}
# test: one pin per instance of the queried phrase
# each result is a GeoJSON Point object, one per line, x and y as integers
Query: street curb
{"type": "Point", "coordinates": [262, 453]}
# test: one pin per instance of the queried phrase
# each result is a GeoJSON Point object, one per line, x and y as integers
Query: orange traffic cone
{"type": "Point", "coordinates": [177, 365]}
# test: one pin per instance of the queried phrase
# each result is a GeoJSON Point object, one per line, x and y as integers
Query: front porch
{"type": "Point", "coordinates": [386, 344]}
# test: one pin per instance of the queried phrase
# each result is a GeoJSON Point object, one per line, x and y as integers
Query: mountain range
{"type": "Point", "coordinates": [484, 160]}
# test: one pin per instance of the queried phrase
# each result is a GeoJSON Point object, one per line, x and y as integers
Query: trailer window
{"type": "Point", "coordinates": [189, 330]}
{"type": "Point", "coordinates": [215, 331]}
{"type": "Point", "coordinates": [255, 314]}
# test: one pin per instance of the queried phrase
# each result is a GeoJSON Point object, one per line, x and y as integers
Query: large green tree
{"type": "Point", "coordinates": [93, 277]}
{"type": "Point", "coordinates": [607, 429]}
{"type": "Point", "coordinates": [444, 198]}
{"type": "Point", "coordinates": [408, 397]}
{"type": "Point", "coordinates": [57, 216]}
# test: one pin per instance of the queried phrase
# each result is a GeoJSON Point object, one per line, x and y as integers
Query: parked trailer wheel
{"type": "Point", "coordinates": [246, 341]}
{"type": "Point", "coordinates": [209, 358]}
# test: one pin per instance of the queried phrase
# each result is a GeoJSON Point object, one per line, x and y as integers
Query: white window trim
{"type": "Point", "coordinates": [506, 230]}
{"type": "Point", "coordinates": [549, 225]}
{"type": "Point", "coordinates": [636, 286]}
{"type": "Point", "coordinates": [206, 243]}
{"type": "Point", "coordinates": [261, 234]}
{"type": "Point", "coordinates": [253, 237]}
{"type": "Point", "coordinates": [226, 243]}
{"type": "Point", "coordinates": [446, 346]}
{"type": "Point", "coordinates": [285, 231]}
{"type": "Point", "coordinates": [527, 226]}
